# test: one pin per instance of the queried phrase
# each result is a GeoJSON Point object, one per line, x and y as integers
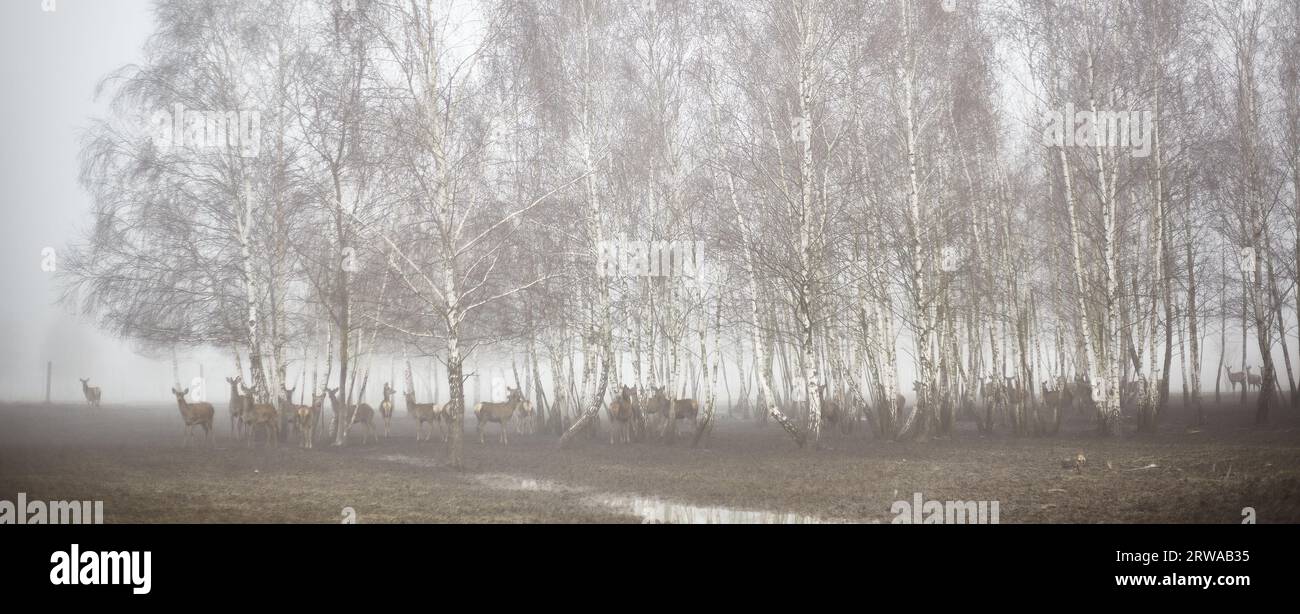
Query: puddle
{"type": "Point", "coordinates": [407, 460]}
{"type": "Point", "coordinates": [501, 481]}
{"type": "Point", "coordinates": [651, 510]}
{"type": "Point", "coordinates": [660, 511]}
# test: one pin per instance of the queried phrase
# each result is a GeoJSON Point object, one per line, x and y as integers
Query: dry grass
{"type": "Point", "coordinates": [132, 458]}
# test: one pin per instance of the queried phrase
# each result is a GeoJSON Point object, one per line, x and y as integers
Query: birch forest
{"type": "Point", "coordinates": [631, 223]}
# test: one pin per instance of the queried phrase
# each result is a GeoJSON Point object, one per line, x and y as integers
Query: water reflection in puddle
{"type": "Point", "coordinates": [648, 509]}
{"type": "Point", "coordinates": [656, 510]}
{"type": "Point", "coordinates": [407, 460]}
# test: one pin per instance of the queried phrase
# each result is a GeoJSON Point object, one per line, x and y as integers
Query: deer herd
{"type": "Point", "coordinates": [248, 417]}
{"type": "Point", "coordinates": [1246, 379]}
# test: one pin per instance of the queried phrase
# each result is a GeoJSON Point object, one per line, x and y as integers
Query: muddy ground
{"type": "Point", "coordinates": [132, 458]}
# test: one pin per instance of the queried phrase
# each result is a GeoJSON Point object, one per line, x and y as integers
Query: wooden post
{"type": "Point", "coordinates": [49, 371]}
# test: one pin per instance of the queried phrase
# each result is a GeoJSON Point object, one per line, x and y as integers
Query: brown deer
{"type": "Point", "coordinates": [1057, 401]}
{"type": "Point", "coordinates": [236, 403]}
{"type": "Point", "coordinates": [620, 415]}
{"type": "Point", "coordinates": [361, 413]}
{"type": "Point", "coordinates": [386, 408]}
{"type": "Point", "coordinates": [91, 392]}
{"type": "Point", "coordinates": [1051, 398]}
{"type": "Point", "coordinates": [307, 418]}
{"type": "Point", "coordinates": [193, 414]}
{"type": "Point", "coordinates": [433, 413]}
{"type": "Point", "coordinates": [1236, 378]}
{"type": "Point", "coordinates": [831, 411]}
{"type": "Point", "coordinates": [525, 422]}
{"type": "Point", "coordinates": [1253, 380]}
{"type": "Point", "coordinates": [656, 406]}
{"type": "Point", "coordinates": [1067, 394]}
{"type": "Point", "coordinates": [686, 409]}
{"type": "Point", "coordinates": [500, 413]}
{"type": "Point", "coordinates": [263, 415]}
{"type": "Point", "coordinates": [306, 432]}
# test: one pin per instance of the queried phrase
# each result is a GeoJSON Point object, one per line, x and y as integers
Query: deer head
{"type": "Point", "coordinates": [288, 394]}
{"type": "Point", "coordinates": [334, 399]}
{"type": "Point", "coordinates": [180, 398]}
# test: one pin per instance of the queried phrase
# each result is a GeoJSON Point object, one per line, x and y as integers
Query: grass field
{"type": "Point", "coordinates": [132, 458]}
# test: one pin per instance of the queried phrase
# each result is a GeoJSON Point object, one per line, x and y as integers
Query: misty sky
{"type": "Point", "coordinates": [49, 65]}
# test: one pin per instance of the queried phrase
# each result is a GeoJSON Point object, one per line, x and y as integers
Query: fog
{"type": "Point", "coordinates": [51, 63]}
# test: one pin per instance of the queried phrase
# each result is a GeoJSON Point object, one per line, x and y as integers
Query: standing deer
{"type": "Point", "coordinates": [386, 408]}
{"type": "Point", "coordinates": [620, 416]}
{"type": "Point", "coordinates": [236, 404]}
{"type": "Point", "coordinates": [1236, 378]}
{"type": "Point", "coordinates": [296, 413]}
{"type": "Point", "coordinates": [1067, 394]}
{"type": "Point", "coordinates": [525, 423]}
{"type": "Point", "coordinates": [1253, 380]}
{"type": "Point", "coordinates": [91, 392]}
{"type": "Point", "coordinates": [500, 413]}
{"type": "Point", "coordinates": [831, 411]}
{"type": "Point", "coordinates": [686, 409]}
{"type": "Point", "coordinates": [194, 414]}
{"type": "Point", "coordinates": [352, 415]}
{"type": "Point", "coordinates": [1057, 401]}
{"type": "Point", "coordinates": [307, 418]}
{"type": "Point", "coordinates": [262, 415]}
{"type": "Point", "coordinates": [432, 413]}
{"type": "Point", "coordinates": [656, 407]}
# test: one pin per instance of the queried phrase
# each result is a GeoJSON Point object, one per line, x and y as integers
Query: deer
{"type": "Point", "coordinates": [655, 407]}
{"type": "Point", "coordinates": [525, 420]}
{"type": "Point", "coordinates": [433, 413]}
{"type": "Point", "coordinates": [830, 408]}
{"type": "Point", "coordinates": [620, 415]}
{"type": "Point", "coordinates": [299, 413]}
{"type": "Point", "coordinates": [262, 415]}
{"type": "Point", "coordinates": [1067, 394]}
{"type": "Point", "coordinates": [686, 409]}
{"type": "Point", "coordinates": [194, 414]}
{"type": "Point", "coordinates": [386, 408]}
{"type": "Point", "coordinates": [1082, 390]}
{"type": "Point", "coordinates": [307, 418]}
{"type": "Point", "coordinates": [1253, 380]}
{"type": "Point", "coordinates": [91, 392]}
{"type": "Point", "coordinates": [1236, 378]}
{"type": "Point", "coordinates": [500, 413]}
{"type": "Point", "coordinates": [236, 403]}
{"type": "Point", "coordinates": [360, 413]}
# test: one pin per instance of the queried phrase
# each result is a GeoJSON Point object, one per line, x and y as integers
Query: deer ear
{"type": "Point", "coordinates": [187, 391]}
